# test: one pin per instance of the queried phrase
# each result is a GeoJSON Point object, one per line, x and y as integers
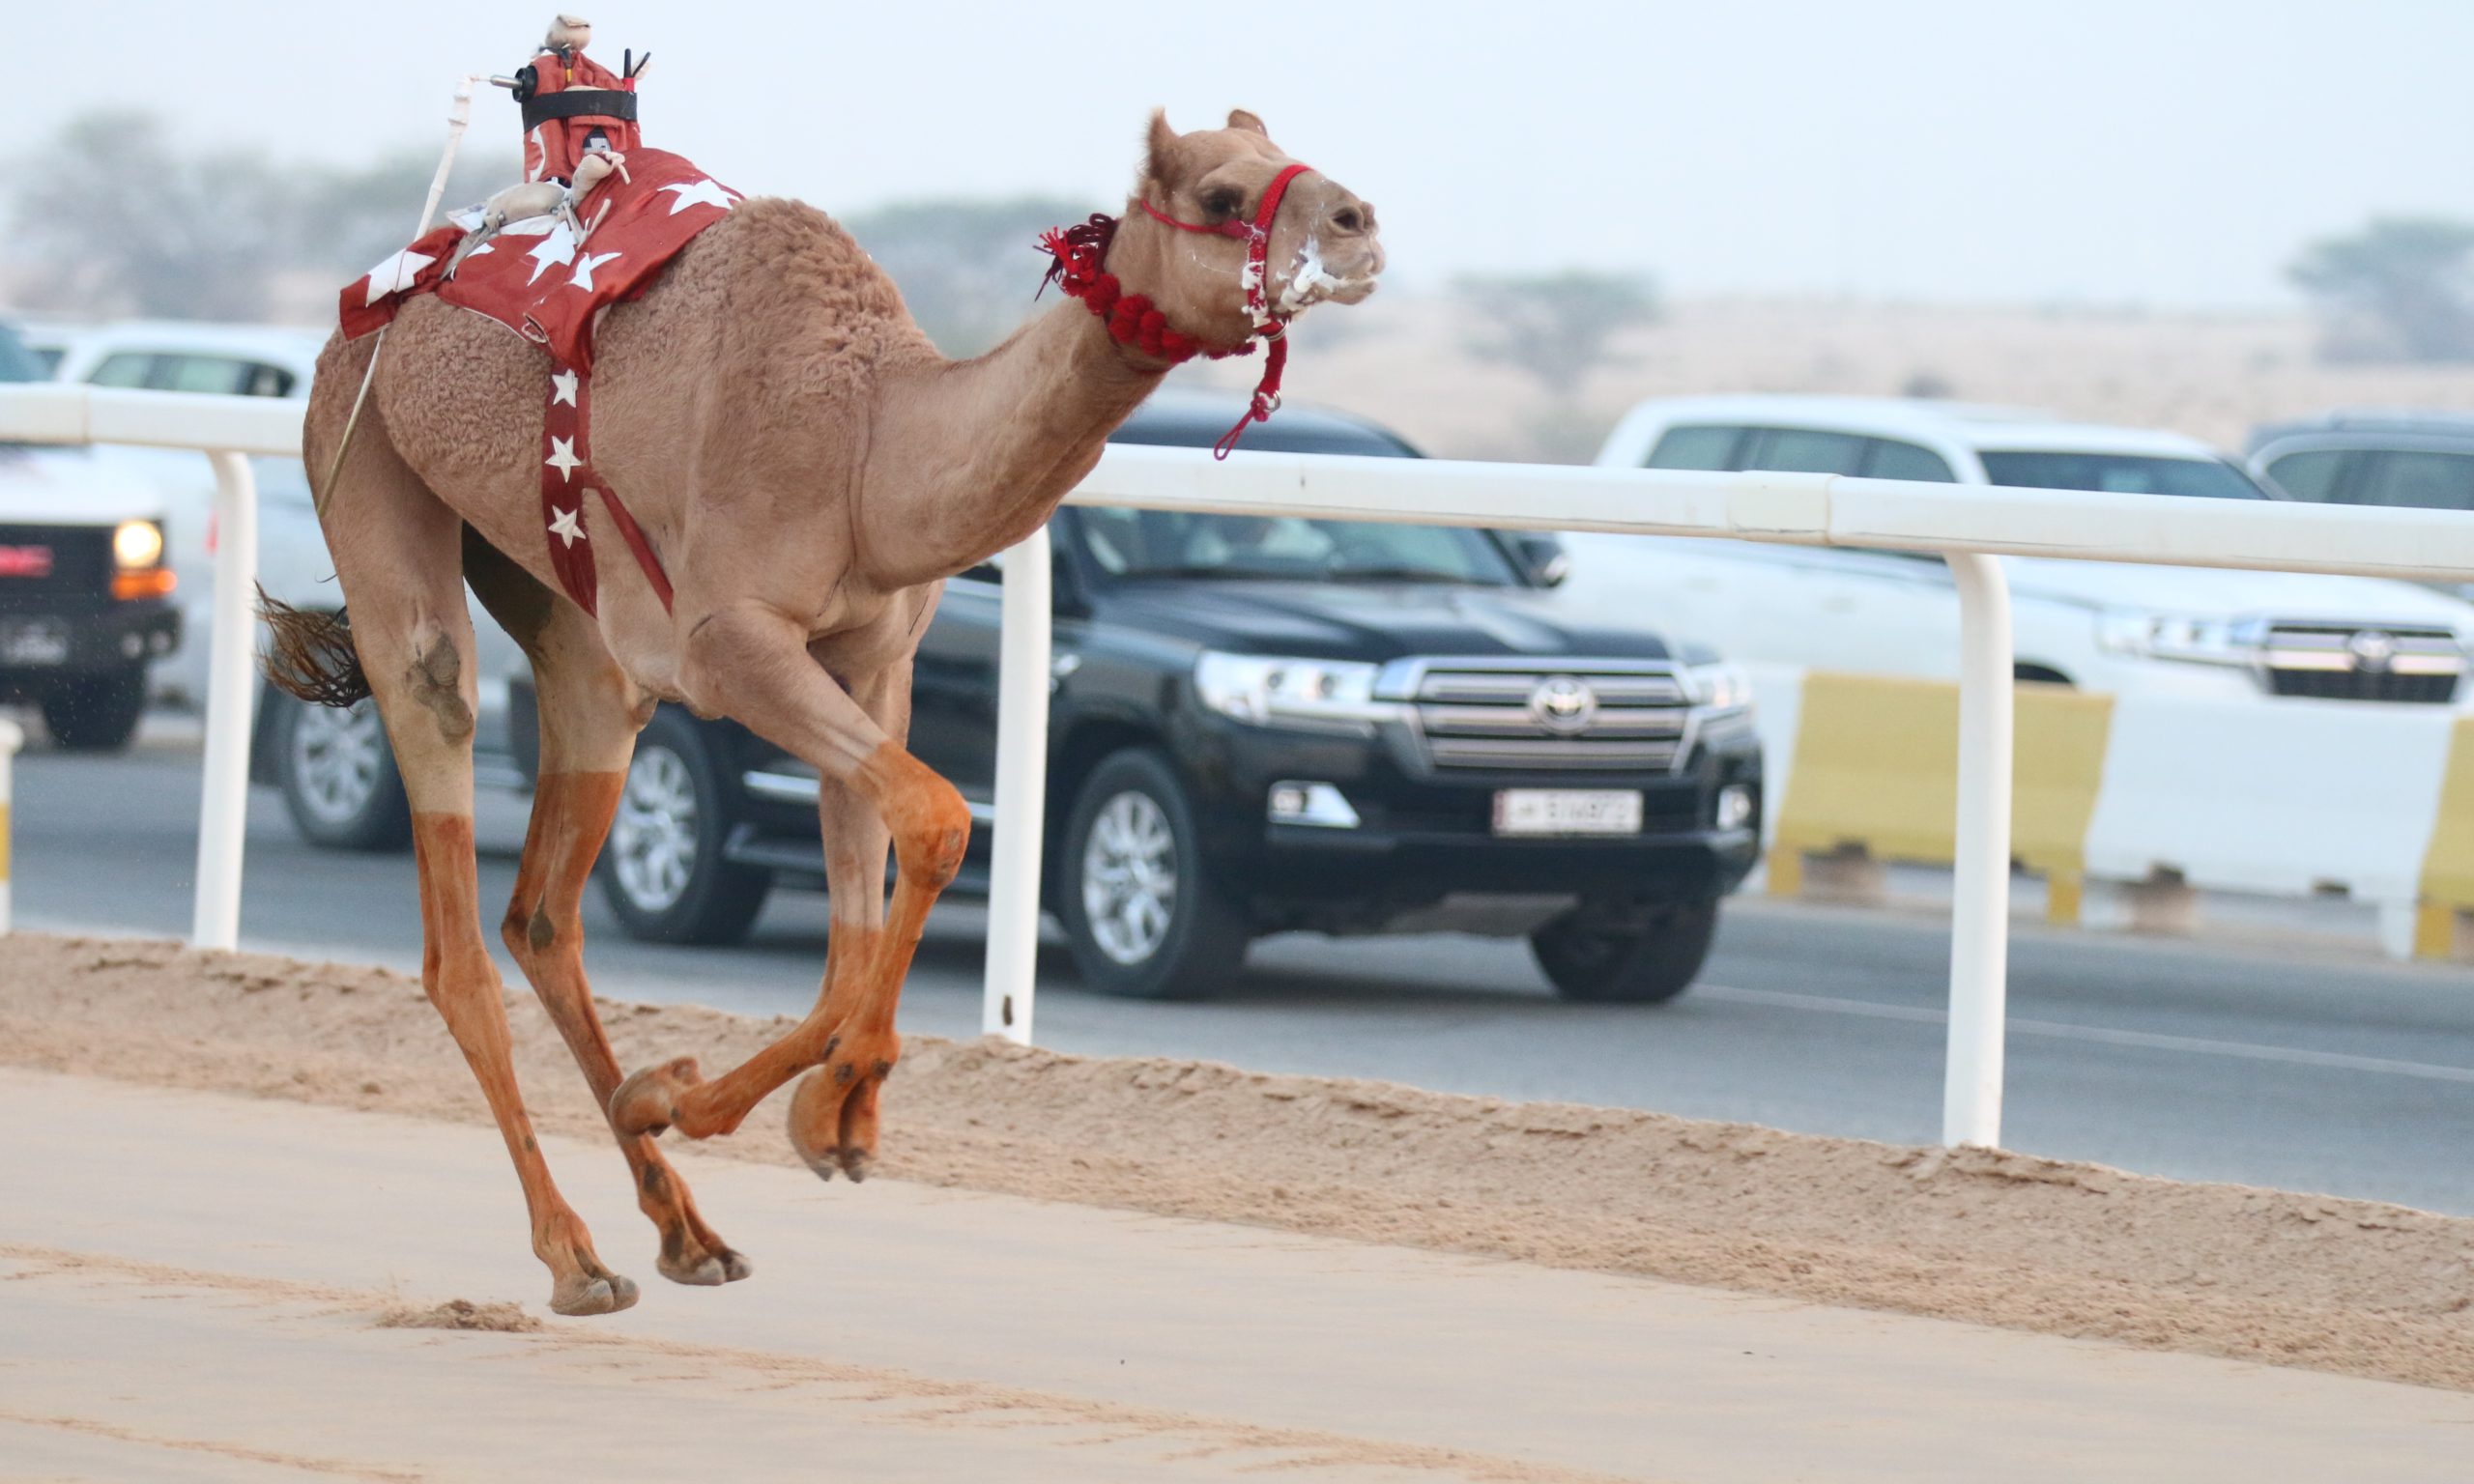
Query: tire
{"type": "Point", "coordinates": [663, 872]}
{"type": "Point", "coordinates": [337, 775]}
{"type": "Point", "coordinates": [1144, 920]}
{"type": "Point", "coordinates": [95, 714]}
{"type": "Point", "coordinates": [1631, 965]}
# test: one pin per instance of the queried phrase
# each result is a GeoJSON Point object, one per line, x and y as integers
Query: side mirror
{"type": "Point", "coordinates": [1542, 556]}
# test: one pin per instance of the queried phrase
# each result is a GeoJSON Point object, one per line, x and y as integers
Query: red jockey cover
{"type": "Point", "coordinates": [536, 277]}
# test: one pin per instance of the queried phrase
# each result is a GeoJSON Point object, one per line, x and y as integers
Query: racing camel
{"type": "Point", "coordinates": [805, 469]}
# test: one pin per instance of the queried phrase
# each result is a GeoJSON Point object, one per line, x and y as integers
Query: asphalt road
{"type": "Point", "coordinates": [2266, 1058]}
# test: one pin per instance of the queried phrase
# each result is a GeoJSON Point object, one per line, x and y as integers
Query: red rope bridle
{"type": "Point", "coordinates": [1082, 252]}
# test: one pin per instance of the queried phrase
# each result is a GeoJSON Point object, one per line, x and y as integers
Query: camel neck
{"type": "Point", "coordinates": [976, 454]}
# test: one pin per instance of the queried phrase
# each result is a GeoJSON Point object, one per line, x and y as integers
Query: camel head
{"type": "Point", "coordinates": [1324, 242]}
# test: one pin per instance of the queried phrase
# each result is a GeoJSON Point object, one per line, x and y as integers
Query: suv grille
{"type": "Point", "coordinates": [2353, 662]}
{"type": "Point", "coordinates": [48, 567]}
{"type": "Point", "coordinates": [1553, 720]}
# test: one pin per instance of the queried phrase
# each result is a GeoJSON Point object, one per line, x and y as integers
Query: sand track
{"type": "Point", "coordinates": [2296, 1280]}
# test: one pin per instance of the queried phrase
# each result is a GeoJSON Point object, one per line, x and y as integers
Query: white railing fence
{"type": "Point", "coordinates": [1971, 528]}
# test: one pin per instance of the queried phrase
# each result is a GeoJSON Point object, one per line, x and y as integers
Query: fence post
{"type": "Point", "coordinates": [1980, 898]}
{"type": "Point", "coordinates": [11, 740]}
{"type": "Point", "coordinates": [1022, 676]}
{"type": "Point", "coordinates": [223, 815]}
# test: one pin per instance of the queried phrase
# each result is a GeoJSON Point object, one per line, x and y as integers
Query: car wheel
{"type": "Point", "coordinates": [1642, 963]}
{"type": "Point", "coordinates": [97, 714]}
{"type": "Point", "coordinates": [663, 872]}
{"type": "Point", "coordinates": [1144, 920]}
{"type": "Point", "coordinates": [339, 776]}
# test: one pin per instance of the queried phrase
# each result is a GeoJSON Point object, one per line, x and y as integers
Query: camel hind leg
{"type": "Point", "coordinates": [590, 713]}
{"type": "Point", "coordinates": [395, 547]}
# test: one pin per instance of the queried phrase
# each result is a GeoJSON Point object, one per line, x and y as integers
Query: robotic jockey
{"type": "Point", "coordinates": [574, 106]}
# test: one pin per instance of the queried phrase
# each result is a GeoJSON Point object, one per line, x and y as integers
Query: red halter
{"type": "Point", "coordinates": [1082, 250]}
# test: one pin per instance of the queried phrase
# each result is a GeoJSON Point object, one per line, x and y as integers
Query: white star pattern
{"type": "Point", "coordinates": [562, 457]}
{"type": "Point", "coordinates": [585, 266]}
{"type": "Point", "coordinates": [563, 388]}
{"type": "Point", "coordinates": [560, 246]}
{"type": "Point", "coordinates": [396, 273]}
{"type": "Point", "coordinates": [562, 525]}
{"type": "Point", "coordinates": [700, 193]}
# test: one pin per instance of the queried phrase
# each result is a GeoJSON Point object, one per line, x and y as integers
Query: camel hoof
{"type": "Point", "coordinates": [712, 1270]}
{"type": "Point", "coordinates": [647, 1101]}
{"type": "Point", "coordinates": [705, 1272]}
{"type": "Point", "coordinates": [855, 1163]}
{"type": "Point", "coordinates": [584, 1294]}
{"type": "Point", "coordinates": [814, 1122]}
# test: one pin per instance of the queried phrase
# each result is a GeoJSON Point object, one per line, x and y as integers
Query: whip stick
{"type": "Point", "coordinates": [456, 119]}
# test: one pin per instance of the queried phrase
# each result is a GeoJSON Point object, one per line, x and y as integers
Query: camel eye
{"type": "Point", "coordinates": [1220, 203]}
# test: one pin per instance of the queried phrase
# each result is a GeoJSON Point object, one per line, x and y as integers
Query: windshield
{"type": "Point", "coordinates": [1169, 543]}
{"type": "Point", "coordinates": [16, 362]}
{"type": "Point", "coordinates": [2121, 474]}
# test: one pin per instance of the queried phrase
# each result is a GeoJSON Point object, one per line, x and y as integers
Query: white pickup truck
{"type": "Point", "coordinates": [2095, 625]}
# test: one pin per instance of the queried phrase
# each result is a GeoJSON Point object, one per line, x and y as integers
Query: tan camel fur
{"type": "Point", "coordinates": [810, 469]}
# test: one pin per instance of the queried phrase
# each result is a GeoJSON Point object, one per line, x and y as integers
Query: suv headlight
{"type": "Point", "coordinates": [1271, 690]}
{"type": "Point", "coordinates": [1719, 687]}
{"type": "Point", "coordinates": [2165, 636]}
{"type": "Point", "coordinates": [138, 544]}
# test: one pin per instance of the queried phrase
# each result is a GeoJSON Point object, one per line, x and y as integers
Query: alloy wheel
{"type": "Point", "coordinates": [1129, 878]}
{"type": "Point", "coordinates": [653, 842]}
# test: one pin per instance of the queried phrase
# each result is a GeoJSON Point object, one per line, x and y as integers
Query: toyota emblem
{"type": "Point", "coordinates": [2372, 650]}
{"type": "Point", "coordinates": [1562, 704]}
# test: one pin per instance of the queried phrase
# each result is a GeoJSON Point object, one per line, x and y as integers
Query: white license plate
{"type": "Point", "coordinates": [38, 643]}
{"type": "Point", "coordinates": [1568, 811]}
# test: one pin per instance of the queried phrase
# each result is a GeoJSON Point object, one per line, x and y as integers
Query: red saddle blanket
{"type": "Point", "coordinates": [536, 278]}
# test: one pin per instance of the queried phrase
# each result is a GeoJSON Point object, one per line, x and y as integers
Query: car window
{"type": "Point", "coordinates": [2312, 475]}
{"type": "Point", "coordinates": [1696, 448]}
{"type": "Point", "coordinates": [1891, 459]}
{"type": "Point", "coordinates": [2120, 473]}
{"type": "Point", "coordinates": [1176, 543]}
{"type": "Point", "coordinates": [2421, 479]}
{"type": "Point", "coordinates": [16, 362]}
{"type": "Point", "coordinates": [1804, 451]}
{"type": "Point", "coordinates": [227, 375]}
{"type": "Point", "coordinates": [122, 368]}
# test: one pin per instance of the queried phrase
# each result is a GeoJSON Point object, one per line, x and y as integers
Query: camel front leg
{"type": "Point", "coordinates": [755, 666]}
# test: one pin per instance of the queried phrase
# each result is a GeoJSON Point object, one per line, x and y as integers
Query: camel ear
{"type": "Point", "coordinates": [1162, 165]}
{"type": "Point", "coordinates": [1239, 118]}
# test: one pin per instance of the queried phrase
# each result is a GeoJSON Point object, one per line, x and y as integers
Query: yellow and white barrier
{"type": "Point", "coordinates": [2273, 797]}
{"type": "Point", "coordinates": [11, 740]}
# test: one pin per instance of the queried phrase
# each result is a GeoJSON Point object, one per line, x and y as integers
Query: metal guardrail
{"type": "Point", "coordinates": [1970, 527]}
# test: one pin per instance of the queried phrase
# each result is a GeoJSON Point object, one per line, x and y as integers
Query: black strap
{"type": "Point", "coordinates": [578, 103]}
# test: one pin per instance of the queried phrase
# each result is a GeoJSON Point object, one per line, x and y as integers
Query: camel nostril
{"type": "Point", "coordinates": [1347, 219]}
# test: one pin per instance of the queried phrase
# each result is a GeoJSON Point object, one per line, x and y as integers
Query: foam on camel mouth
{"type": "Point", "coordinates": [1311, 282]}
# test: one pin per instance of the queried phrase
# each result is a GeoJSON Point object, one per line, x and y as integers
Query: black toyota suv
{"type": "Point", "coordinates": [1261, 725]}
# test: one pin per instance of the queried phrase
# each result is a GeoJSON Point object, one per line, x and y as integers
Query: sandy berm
{"type": "Point", "coordinates": [2000, 1238]}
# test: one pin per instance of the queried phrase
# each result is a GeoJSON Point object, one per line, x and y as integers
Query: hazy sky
{"type": "Point", "coordinates": [2169, 153]}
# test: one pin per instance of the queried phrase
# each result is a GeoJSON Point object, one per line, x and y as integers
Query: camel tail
{"type": "Point", "coordinates": [313, 658]}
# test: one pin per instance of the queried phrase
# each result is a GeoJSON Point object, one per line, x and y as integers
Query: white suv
{"type": "Point", "coordinates": [2100, 626]}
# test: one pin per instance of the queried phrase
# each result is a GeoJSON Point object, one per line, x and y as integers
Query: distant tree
{"type": "Point", "coordinates": [2401, 289]}
{"type": "Point", "coordinates": [966, 267]}
{"type": "Point", "coordinates": [1556, 326]}
{"type": "Point", "coordinates": [112, 216]}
